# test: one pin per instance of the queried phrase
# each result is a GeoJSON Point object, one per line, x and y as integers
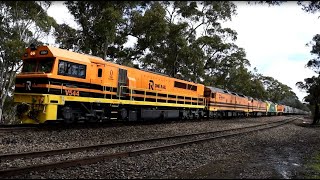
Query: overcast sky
{"type": "Point", "coordinates": [274, 38]}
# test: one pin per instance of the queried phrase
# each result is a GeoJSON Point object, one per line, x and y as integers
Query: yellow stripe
{"type": "Point", "coordinates": [61, 99]}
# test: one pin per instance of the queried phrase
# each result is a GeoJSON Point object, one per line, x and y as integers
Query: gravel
{"type": "Point", "coordinates": [275, 153]}
{"type": "Point", "coordinates": [33, 140]}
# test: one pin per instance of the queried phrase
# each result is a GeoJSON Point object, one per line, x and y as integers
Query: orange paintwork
{"type": "Point", "coordinates": [280, 108]}
{"type": "Point", "coordinates": [258, 106]}
{"type": "Point", "coordinates": [138, 79]}
{"type": "Point", "coordinates": [225, 101]}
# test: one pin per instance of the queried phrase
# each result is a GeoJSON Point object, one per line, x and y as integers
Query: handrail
{"type": "Point", "coordinates": [199, 98]}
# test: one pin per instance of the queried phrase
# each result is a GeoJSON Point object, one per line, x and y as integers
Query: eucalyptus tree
{"type": "Point", "coordinates": [21, 22]}
{"type": "Point", "coordinates": [312, 87]}
{"type": "Point", "coordinates": [185, 37]}
{"type": "Point", "coordinates": [310, 6]}
{"type": "Point", "coordinates": [277, 91]}
{"type": "Point", "coordinates": [104, 27]}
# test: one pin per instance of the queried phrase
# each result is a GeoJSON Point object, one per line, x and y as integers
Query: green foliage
{"type": "Point", "coordinates": [104, 28]}
{"type": "Point", "coordinates": [314, 63]}
{"type": "Point", "coordinates": [67, 37]}
{"type": "Point", "coordinates": [312, 85]}
{"type": "Point", "coordinates": [314, 165]}
{"type": "Point", "coordinates": [9, 116]}
{"type": "Point", "coordinates": [276, 91]}
{"type": "Point", "coordinates": [269, 3]}
{"type": "Point", "coordinates": [310, 6]}
{"type": "Point", "coordinates": [168, 32]}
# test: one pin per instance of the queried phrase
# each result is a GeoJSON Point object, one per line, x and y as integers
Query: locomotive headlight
{"type": "Point", "coordinates": [32, 53]}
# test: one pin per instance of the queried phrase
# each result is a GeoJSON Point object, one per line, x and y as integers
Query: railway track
{"type": "Point", "coordinates": [130, 148]}
{"type": "Point", "coordinates": [20, 127]}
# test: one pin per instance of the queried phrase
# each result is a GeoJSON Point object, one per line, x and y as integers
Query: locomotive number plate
{"type": "Point", "coordinates": [70, 92]}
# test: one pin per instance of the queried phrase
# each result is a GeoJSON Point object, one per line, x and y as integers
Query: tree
{"type": "Point", "coordinates": [312, 86]}
{"type": "Point", "coordinates": [168, 34]}
{"type": "Point", "coordinates": [21, 22]}
{"type": "Point", "coordinates": [310, 6]}
{"type": "Point", "coordinates": [276, 91]}
{"type": "Point", "coordinates": [104, 28]}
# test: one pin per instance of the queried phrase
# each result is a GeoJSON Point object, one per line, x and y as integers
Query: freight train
{"type": "Point", "coordinates": [61, 85]}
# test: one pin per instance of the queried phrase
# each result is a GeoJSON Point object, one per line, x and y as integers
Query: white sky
{"type": "Point", "coordinates": [273, 37]}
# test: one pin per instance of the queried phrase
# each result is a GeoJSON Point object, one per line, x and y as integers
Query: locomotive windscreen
{"type": "Point", "coordinates": [43, 65]}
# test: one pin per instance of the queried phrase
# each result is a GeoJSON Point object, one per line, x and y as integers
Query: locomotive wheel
{"type": "Point", "coordinates": [68, 116]}
{"type": "Point", "coordinates": [123, 114]}
{"type": "Point", "coordinates": [92, 119]}
{"type": "Point", "coordinates": [70, 121]}
{"type": "Point", "coordinates": [162, 118]}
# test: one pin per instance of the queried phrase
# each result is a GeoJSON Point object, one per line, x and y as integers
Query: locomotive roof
{"type": "Point", "coordinates": [215, 89]}
{"type": "Point", "coordinates": [87, 58]}
{"type": "Point", "coordinates": [78, 56]}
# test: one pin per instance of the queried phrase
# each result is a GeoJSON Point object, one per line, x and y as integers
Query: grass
{"type": "Point", "coordinates": [315, 167]}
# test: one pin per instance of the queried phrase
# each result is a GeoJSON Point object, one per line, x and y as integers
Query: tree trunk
{"type": "Point", "coordinates": [1, 116]}
{"type": "Point", "coordinates": [316, 114]}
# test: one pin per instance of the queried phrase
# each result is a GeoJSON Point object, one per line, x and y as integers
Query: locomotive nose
{"type": "Point", "coordinates": [22, 108]}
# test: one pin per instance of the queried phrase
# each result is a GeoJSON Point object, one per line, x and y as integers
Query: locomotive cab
{"type": "Point", "coordinates": [45, 73]}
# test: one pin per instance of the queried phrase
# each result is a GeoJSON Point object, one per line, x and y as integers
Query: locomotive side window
{"type": "Point", "coordinates": [68, 69]}
{"type": "Point", "coordinates": [192, 87]}
{"type": "Point", "coordinates": [185, 86]}
{"type": "Point", "coordinates": [99, 72]}
{"type": "Point", "coordinates": [82, 71]}
{"type": "Point", "coordinates": [72, 69]}
{"type": "Point", "coordinates": [75, 70]}
{"type": "Point", "coordinates": [180, 85]}
{"type": "Point", "coordinates": [61, 67]}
